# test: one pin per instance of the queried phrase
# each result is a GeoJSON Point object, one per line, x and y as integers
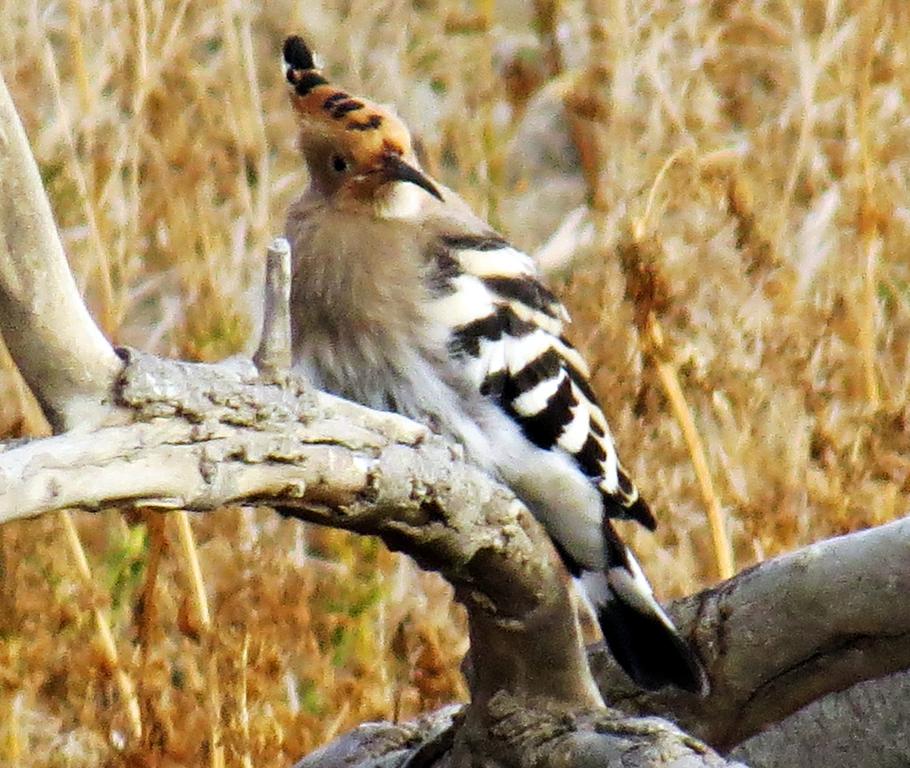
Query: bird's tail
{"type": "Point", "coordinates": [640, 635]}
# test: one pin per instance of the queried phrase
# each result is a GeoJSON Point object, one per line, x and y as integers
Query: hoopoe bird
{"type": "Point", "coordinates": [403, 300]}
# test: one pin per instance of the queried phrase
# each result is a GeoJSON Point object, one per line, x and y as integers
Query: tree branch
{"type": "Point", "coordinates": [774, 638]}
{"type": "Point", "coordinates": [543, 737]}
{"type": "Point", "coordinates": [787, 632]}
{"type": "Point", "coordinates": [208, 435]}
{"type": "Point", "coordinates": [865, 725]}
{"type": "Point", "coordinates": [62, 355]}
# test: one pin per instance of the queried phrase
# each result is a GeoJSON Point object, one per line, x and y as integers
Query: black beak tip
{"type": "Point", "coordinates": [431, 188]}
{"type": "Point", "coordinates": [401, 171]}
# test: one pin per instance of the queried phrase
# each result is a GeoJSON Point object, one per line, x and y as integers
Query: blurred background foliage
{"type": "Point", "coordinates": [719, 191]}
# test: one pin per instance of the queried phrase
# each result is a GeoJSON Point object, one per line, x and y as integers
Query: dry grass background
{"type": "Point", "coordinates": [736, 177]}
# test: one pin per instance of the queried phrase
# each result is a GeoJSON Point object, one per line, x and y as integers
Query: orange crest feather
{"type": "Point", "coordinates": [354, 125]}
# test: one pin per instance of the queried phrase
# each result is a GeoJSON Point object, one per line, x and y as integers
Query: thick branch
{"type": "Point", "coordinates": [61, 353]}
{"type": "Point", "coordinates": [213, 435]}
{"type": "Point", "coordinates": [866, 725]}
{"type": "Point", "coordinates": [210, 435]}
{"type": "Point", "coordinates": [787, 632]}
{"type": "Point", "coordinates": [794, 630]}
{"type": "Point", "coordinates": [774, 637]}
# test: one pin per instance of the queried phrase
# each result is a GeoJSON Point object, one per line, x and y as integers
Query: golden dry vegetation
{"type": "Point", "coordinates": [720, 191]}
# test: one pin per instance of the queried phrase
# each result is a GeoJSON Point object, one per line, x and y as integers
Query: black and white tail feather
{"type": "Point", "coordinates": [506, 334]}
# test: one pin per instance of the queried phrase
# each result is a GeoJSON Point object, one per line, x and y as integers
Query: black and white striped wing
{"type": "Point", "coordinates": [506, 330]}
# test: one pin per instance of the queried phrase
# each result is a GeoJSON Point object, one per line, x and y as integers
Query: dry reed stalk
{"type": "Point", "coordinates": [140, 88]}
{"type": "Point", "coordinates": [808, 71]}
{"type": "Point", "coordinates": [146, 611]}
{"type": "Point", "coordinates": [871, 247]}
{"type": "Point", "coordinates": [811, 62]}
{"type": "Point", "coordinates": [669, 379]}
{"type": "Point", "coordinates": [155, 524]}
{"type": "Point", "coordinates": [204, 618]}
{"type": "Point", "coordinates": [868, 217]}
{"type": "Point", "coordinates": [103, 627]}
{"type": "Point", "coordinates": [78, 55]}
{"type": "Point", "coordinates": [247, 758]}
{"type": "Point", "coordinates": [491, 140]}
{"type": "Point", "coordinates": [654, 343]}
{"type": "Point", "coordinates": [235, 96]}
{"type": "Point", "coordinates": [12, 745]}
{"type": "Point", "coordinates": [245, 35]}
{"type": "Point", "coordinates": [649, 294]}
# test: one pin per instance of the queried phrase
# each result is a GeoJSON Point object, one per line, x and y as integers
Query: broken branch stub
{"type": "Point", "coordinates": [273, 357]}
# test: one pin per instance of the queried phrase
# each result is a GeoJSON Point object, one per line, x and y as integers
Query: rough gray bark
{"type": "Point", "coordinates": [208, 435]}
{"type": "Point", "coordinates": [542, 737]}
{"type": "Point", "coordinates": [787, 632]}
{"type": "Point", "coordinates": [205, 436]}
{"type": "Point", "coordinates": [780, 634]}
{"type": "Point", "coordinates": [866, 725]}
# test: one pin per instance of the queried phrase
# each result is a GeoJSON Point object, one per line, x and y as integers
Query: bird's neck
{"type": "Point", "coordinates": [355, 272]}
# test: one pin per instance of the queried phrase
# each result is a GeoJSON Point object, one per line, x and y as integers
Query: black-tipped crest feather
{"type": "Point", "coordinates": [297, 53]}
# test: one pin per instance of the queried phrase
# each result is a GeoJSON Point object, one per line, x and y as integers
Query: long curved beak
{"type": "Point", "coordinates": [397, 169]}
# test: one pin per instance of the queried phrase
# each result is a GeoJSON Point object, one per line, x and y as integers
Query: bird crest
{"type": "Point", "coordinates": [361, 128]}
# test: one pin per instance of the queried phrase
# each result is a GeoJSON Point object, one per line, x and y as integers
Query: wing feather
{"type": "Point", "coordinates": [506, 333]}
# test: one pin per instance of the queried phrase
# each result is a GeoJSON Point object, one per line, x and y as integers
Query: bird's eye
{"type": "Point", "coordinates": [339, 164]}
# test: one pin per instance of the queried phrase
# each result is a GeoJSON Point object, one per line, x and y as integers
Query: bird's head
{"type": "Point", "coordinates": [358, 152]}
